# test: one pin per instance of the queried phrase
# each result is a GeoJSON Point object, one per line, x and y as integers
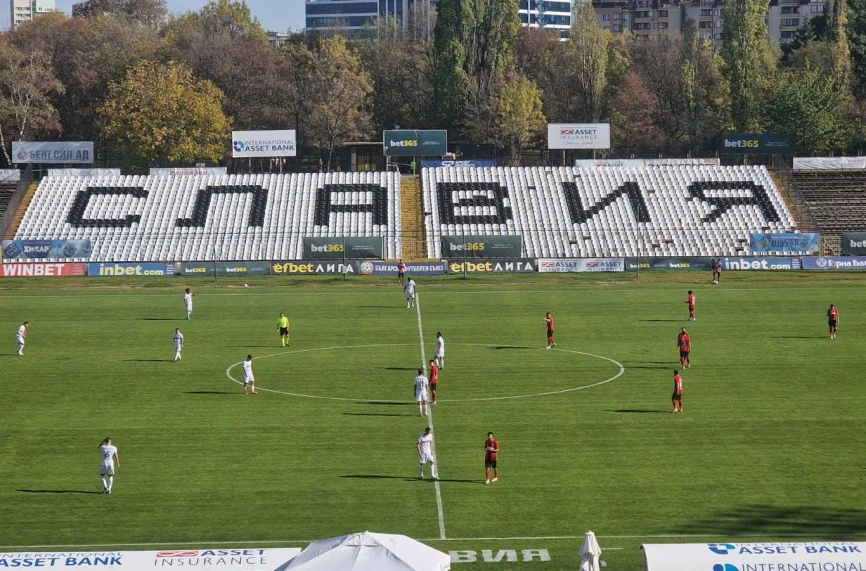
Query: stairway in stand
{"type": "Point", "coordinates": [19, 214]}
{"type": "Point", "coordinates": [412, 215]}
{"type": "Point", "coordinates": [783, 190]}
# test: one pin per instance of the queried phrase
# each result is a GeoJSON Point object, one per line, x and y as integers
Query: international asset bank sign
{"type": "Point", "coordinates": [252, 144]}
{"type": "Point", "coordinates": [198, 559]}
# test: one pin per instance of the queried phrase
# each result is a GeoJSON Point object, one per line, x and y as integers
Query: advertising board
{"type": "Point", "coordinates": [752, 263]}
{"type": "Point", "coordinates": [523, 265]}
{"type": "Point", "coordinates": [415, 143]}
{"type": "Point", "coordinates": [412, 268]}
{"type": "Point", "coordinates": [792, 242]}
{"type": "Point", "coordinates": [84, 173]}
{"type": "Point", "coordinates": [669, 264]}
{"type": "Point", "coordinates": [10, 175]}
{"type": "Point", "coordinates": [125, 269]}
{"type": "Point", "coordinates": [52, 152]}
{"type": "Point", "coordinates": [756, 144]}
{"type": "Point", "coordinates": [853, 243]}
{"type": "Point", "coordinates": [43, 270]}
{"type": "Point", "coordinates": [581, 265]}
{"type": "Point", "coordinates": [41, 249]}
{"type": "Point", "coordinates": [458, 247]}
{"type": "Point", "coordinates": [641, 163]}
{"type": "Point", "coordinates": [834, 263]}
{"type": "Point", "coordinates": [199, 559]}
{"type": "Point", "coordinates": [829, 163]}
{"type": "Point", "coordinates": [312, 267]}
{"type": "Point", "coordinates": [251, 144]}
{"type": "Point", "coordinates": [224, 268]}
{"type": "Point", "coordinates": [188, 171]}
{"type": "Point", "coordinates": [432, 164]}
{"type": "Point", "coordinates": [333, 248]}
{"type": "Point", "coordinates": [578, 135]}
{"type": "Point", "coordinates": [812, 556]}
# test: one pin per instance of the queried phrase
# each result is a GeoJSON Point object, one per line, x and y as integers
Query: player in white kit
{"type": "Point", "coordinates": [440, 351]}
{"type": "Point", "coordinates": [187, 301]}
{"type": "Point", "coordinates": [21, 337]}
{"type": "Point", "coordinates": [109, 459]}
{"type": "Point", "coordinates": [178, 344]}
{"type": "Point", "coordinates": [409, 290]}
{"type": "Point", "coordinates": [421, 385]}
{"type": "Point", "coordinates": [249, 380]}
{"type": "Point", "coordinates": [426, 453]}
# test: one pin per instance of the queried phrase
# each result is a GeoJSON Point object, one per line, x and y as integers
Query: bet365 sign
{"type": "Point", "coordinates": [415, 143]}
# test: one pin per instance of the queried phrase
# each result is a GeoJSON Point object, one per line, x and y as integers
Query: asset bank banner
{"type": "Point", "coordinates": [112, 270]}
{"type": "Point", "coordinates": [307, 267]}
{"type": "Point", "coordinates": [788, 243]}
{"type": "Point", "coordinates": [251, 144]}
{"type": "Point", "coordinates": [454, 247]}
{"type": "Point", "coordinates": [350, 248]}
{"type": "Point", "coordinates": [41, 249]}
{"type": "Point", "coordinates": [817, 556]}
{"type": "Point", "coordinates": [412, 268]}
{"type": "Point", "coordinates": [747, 264]}
{"type": "Point", "coordinates": [834, 263]}
{"type": "Point", "coordinates": [853, 243]}
{"type": "Point", "coordinates": [199, 559]}
{"type": "Point", "coordinates": [52, 153]}
{"type": "Point", "coordinates": [523, 265]}
{"type": "Point", "coordinates": [42, 270]}
{"type": "Point", "coordinates": [669, 263]}
{"type": "Point", "coordinates": [581, 265]}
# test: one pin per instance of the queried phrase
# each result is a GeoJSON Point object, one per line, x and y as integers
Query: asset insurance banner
{"type": "Point", "coordinates": [817, 556]}
{"type": "Point", "coordinates": [578, 135]}
{"type": "Point", "coordinates": [581, 265]}
{"type": "Point", "coordinates": [251, 144]}
{"type": "Point", "coordinates": [787, 242]}
{"type": "Point", "coordinates": [42, 270]}
{"type": "Point", "coordinates": [455, 247]}
{"type": "Point", "coordinates": [128, 269]}
{"type": "Point", "coordinates": [834, 263]}
{"type": "Point", "coordinates": [523, 265]}
{"type": "Point", "coordinates": [412, 268]}
{"type": "Point", "coordinates": [24, 152]}
{"type": "Point", "coordinates": [199, 559]}
{"type": "Point", "coordinates": [41, 249]}
{"type": "Point", "coordinates": [351, 248]}
{"type": "Point", "coordinates": [853, 243]}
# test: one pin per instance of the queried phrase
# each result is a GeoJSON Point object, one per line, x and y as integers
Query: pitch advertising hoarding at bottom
{"type": "Point", "coordinates": [199, 559]}
{"type": "Point", "coordinates": [412, 268]}
{"type": "Point", "coordinates": [632, 264]}
{"type": "Point", "coordinates": [581, 265]}
{"type": "Point", "coordinates": [112, 269]}
{"type": "Point", "coordinates": [817, 556]}
{"type": "Point", "coordinates": [761, 263]}
{"type": "Point", "coordinates": [42, 270]}
{"type": "Point", "coordinates": [834, 263]}
{"type": "Point", "coordinates": [224, 268]}
{"type": "Point", "coordinates": [312, 267]}
{"type": "Point", "coordinates": [522, 265]}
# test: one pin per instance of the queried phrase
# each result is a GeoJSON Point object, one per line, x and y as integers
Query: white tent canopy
{"type": "Point", "coordinates": [369, 551]}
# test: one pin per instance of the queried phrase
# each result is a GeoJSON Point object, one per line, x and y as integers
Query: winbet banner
{"type": "Point", "coordinates": [41, 249]}
{"type": "Point", "coordinates": [853, 243]}
{"type": "Point", "coordinates": [42, 270]}
{"type": "Point", "coordinates": [473, 266]}
{"type": "Point", "coordinates": [199, 559]}
{"type": "Point", "coordinates": [112, 270]}
{"type": "Point", "coordinates": [339, 248]}
{"type": "Point", "coordinates": [459, 247]}
{"type": "Point", "coordinates": [415, 143]}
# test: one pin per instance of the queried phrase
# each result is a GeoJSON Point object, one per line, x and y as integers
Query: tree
{"type": "Point", "coordinates": [633, 125]}
{"type": "Point", "coordinates": [148, 12]}
{"type": "Point", "coordinates": [235, 17]}
{"type": "Point", "coordinates": [519, 119]}
{"type": "Point", "coordinates": [26, 86]}
{"type": "Point", "coordinates": [705, 92]}
{"type": "Point", "coordinates": [542, 58]}
{"type": "Point", "coordinates": [749, 64]}
{"type": "Point", "coordinates": [589, 54]}
{"type": "Point", "coordinates": [161, 113]}
{"type": "Point", "coordinates": [659, 62]}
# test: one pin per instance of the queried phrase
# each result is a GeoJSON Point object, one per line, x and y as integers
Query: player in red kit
{"type": "Point", "coordinates": [434, 378]}
{"type": "Point", "coordinates": [491, 451]}
{"type": "Point", "coordinates": [832, 320]}
{"type": "Point", "coordinates": [684, 342]}
{"type": "Point", "coordinates": [677, 398]}
{"type": "Point", "coordinates": [691, 302]}
{"type": "Point", "coordinates": [550, 330]}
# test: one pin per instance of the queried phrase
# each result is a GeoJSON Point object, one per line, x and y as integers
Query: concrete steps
{"type": "Point", "coordinates": [412, 217]}
{"type": "Point", "coordinates": [798, 218]}
{"type": "Point", "coordinates": [19, 214]}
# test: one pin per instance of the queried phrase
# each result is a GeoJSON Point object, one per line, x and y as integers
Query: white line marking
{"type": "Point", "coordinates": [347, 399]}
{"type": "Point", "coordinates": [439, 509]}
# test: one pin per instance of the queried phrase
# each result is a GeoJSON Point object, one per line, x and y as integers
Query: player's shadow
{"type": "Point", "coordinates": [161, 318]}
{"type": "Point", "coordinates": [377, 414]}
{"type": "Point", "coordinates": [776, 521]}
{"type": "Point", "coordinates": [661, 320]}
{"type": "Point", "coordinates": [401, 368]}
{"type": "Point", "coordinates": [635, 411]}
{"type": "Point", "coordinates": [509, 347]}
{"type": "Point", "coordinates": [57, 492]}
{"type": "Point", "coordinates": [148, 360]}
{"type": "Point", "coordinates": [799, 336]}
{"type": "Point", "coordinates": [408, 479]}
{"type": "Point", "coordinates": [212, 393]}
{"type": "Point", "coordinates": [385, 403]}
{"type": "Point", "coordinates": [256, 346]}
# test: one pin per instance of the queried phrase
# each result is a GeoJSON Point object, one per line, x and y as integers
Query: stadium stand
{"type": "Point", "coordinates": [836, 199]}
{"type": "Point", "coordinates": [231, 217]}
{"type": "Point", "coordinates": [7, 189]}
{"type": "Point", "coordinates": [571, 212]}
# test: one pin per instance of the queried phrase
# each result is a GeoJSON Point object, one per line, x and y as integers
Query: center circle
{"type": "Point", "coordinates": [410, 372]}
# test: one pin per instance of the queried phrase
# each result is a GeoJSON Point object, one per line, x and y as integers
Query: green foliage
{"type": "Point", "coordinates": [234, 16]}
{"type": "Point", "coordinates": [151, 13]}
{"type": "Point", "coordinates": [163, 114]}
{"type": "Point", "coordinates": [519, 120]}
{"type": "Point", "coordinates": [589, 55]}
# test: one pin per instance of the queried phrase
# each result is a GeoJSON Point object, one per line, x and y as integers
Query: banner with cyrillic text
{"type": "Point", "coordinates": [41, 249]}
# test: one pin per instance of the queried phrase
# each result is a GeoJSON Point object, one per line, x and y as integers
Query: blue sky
{"type": "Point", "coordinates": [276, 15]}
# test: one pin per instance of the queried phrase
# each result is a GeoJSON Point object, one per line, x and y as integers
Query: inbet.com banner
{"type": "Point", "coordinates": [669, 263]}
{"type": "Point", "coordinates": [41, 249]}
{"type": "Point", "coordinates": [251, 144]}
{"type": "Point", "coordinates": [111, 270]}
{"type": "Point", "coordinates": [412, 268]}
{"type": "Point", "coordinates": [581, 265]}
{"type": "Point", "coordinates": [42, 270]}
{"type": "Point", "coordinates": [339, 248]}
{"type": "Point", "coordinates": [578, 135]}
{"type": "Point", "coordinates": [756, 144]}
{"type": "Point", "coordinates": [817, 556]}
{"type": "Point", "coordinates": [304, 267]}
{"type": "Point", "coordinates": [760, 263]}
{"type": "Point", "coordinates": [788, 243]}
{"type": "Point", "coordinates": [523, 265]}
{"type": "Point", "coordinates": [199, 559]}
{"type": "Point", "coordinates": [52, 153]}
{"type": "Point", "coordinates": [853, 243]}
{"type": "Point", "coordinates": [834, 263]}
{"type": "Point", "coordinates": [415, 143]}
{"type": "Point", "coordinates": [459, 247]}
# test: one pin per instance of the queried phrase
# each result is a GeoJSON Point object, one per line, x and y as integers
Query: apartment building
{"type": "Point", "coordinates": [360, 17]}
{"type": "Point", "coordinates": [547, 14]}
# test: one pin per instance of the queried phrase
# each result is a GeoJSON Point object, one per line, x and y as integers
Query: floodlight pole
{"type": "Point", "coordinates": [637, 230]}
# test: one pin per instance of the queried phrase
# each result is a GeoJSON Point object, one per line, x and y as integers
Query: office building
{"type": "Point", "coordinates": [25, 10]}
{"type": "Point", "coordinates": [355, 17]}
{"type": "Point", "coordinates": [547, 14]}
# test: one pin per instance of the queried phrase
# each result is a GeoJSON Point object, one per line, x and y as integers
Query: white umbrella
{"type": "Point", "coordinates": [590, 553]}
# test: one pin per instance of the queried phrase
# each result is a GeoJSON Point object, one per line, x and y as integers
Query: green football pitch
{"type": "Point", "coordinates": [770, 447]}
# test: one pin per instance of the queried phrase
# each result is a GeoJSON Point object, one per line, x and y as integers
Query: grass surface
{"type": "Point", "coordinates": [770, 446]}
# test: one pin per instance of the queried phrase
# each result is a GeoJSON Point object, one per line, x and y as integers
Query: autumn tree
{"type": "Point", "coordinates": [541, 57]}
{"type": "Point", "coordinates": [162, 114]}
{"type": "Point", "coordinates": [589, 55]}
{"type": "Point", "coordinates": [519, 119]}
{"type": "Point", "coordinates": [705, 91]}
{"type": "Point", "coordinates": [633, 114]}
{"type": "Point", "coordinates": [26, 86]}
{"type": "Point", "coordinates": [148, 12]}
